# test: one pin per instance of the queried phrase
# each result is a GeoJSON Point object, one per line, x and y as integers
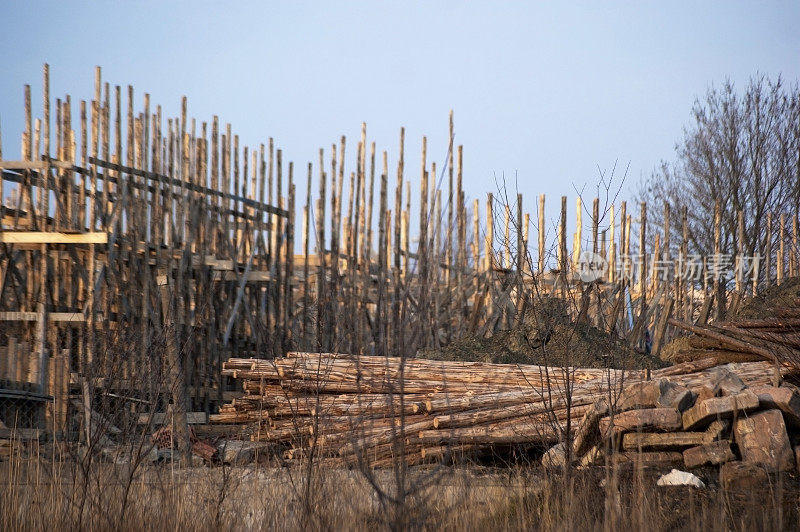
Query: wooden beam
{"type": "Point", "coordinates": [51, 316]}
{"type": "Point", "coordinates": [251, 276]}
{"type": "Point", "coordinates": [35, 165]}
{"type": "Point", "coordinates": [48, 237]}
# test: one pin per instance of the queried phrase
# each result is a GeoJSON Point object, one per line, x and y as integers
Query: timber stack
{"type": "Point", "coordinates": [775, 336]}
{"type": "Point", "coordinates": [364, 410]}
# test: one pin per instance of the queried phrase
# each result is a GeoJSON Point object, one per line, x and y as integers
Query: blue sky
{"type": "Point", "coordinates": [542, 92]}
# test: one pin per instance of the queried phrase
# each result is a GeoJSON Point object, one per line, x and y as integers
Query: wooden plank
{"type": "Point", "coordinates": [36, 165]}
{"type": "Point", "coordinates": [19, 316]}
{"type": "Point", "coordinates": [34, 316]}
{"type": "Point", "coordinates": [51, 237]}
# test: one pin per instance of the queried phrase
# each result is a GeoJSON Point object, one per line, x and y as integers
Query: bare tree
{"type": "Point", "coordinates": [741, 151]}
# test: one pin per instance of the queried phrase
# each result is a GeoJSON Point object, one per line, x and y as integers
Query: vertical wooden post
{"type": "Point", "coordinates": [525, 234]}
{"type": "Point", "coordinates": [175, 372]}
{"type": "Point", "coordinates": [383, 224]}
{"type": "Point", "coordinates": [520, 262]}
{"type": "Point", "coordinates": [520, 239]}
{"type": "Point", "coordinates": [795, 251]}
{"type": "Point", "coordinates": [46, 146]}
{"type": "Point", "coordinates": [768, 252]}
{"type": "Point", "coordinates": [321, 262]}
{"type": "Point", "coordinates": [576, 247]}
{"type": "Point", "coordinates": [26, 190]}
{"type": "Point", "coordinates": [289, 279]}
{"type": "Point", "coordinates": [666, 230]}
{"type": "Point", "coordinates": [397, 334]}
{"type": "Point", "coordinates": [595, 223]}
{"type": "Point", "coordinates": [541, 230]}
{"type": "Point", "coordinates": [448, 254]}
{"type": "Point", "coordinates": [369, 203]}
{"type": "Point", "coordinates": [41, 324]}
{"type": "Point", "coordinates": [739, 262]}
{"type": "Point", "coordinates": [306, 302]}
{"type": "Point", "coordinates": [642, 320]}
{"type": "Point", "coordinates": [683, 258]}
{"type": "Point", "coordinates": [563, 261]}
{"type": "Point", "coordinates": [422, 247]}
{"type": "Point", "coordinates": [489, 244]}
{"type": "Point", "coordinates": [612, 248]}
{"type": "Point", "coordinates": [779, 263]}
{"type": "Point", "coordinates": [477, 265]}
{"type": "Point", "coordinates": [719, 289]}
{"type": "Point", "coordinates": [461, 253]}
{"type": "Point", "coordinates": [624, 248]}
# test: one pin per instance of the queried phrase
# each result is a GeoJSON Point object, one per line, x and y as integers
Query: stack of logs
{"type": "Point", "coordinates": [734, 419]}
{"type": "Point", "coordinates": [775, 338]}
{"type": "Point", "coordinates": [345, 409]}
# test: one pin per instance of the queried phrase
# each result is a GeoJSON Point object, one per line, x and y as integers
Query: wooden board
{"type": "Point", "coordinates": [47, 237]}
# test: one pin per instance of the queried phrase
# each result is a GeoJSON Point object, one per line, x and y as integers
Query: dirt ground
{"type": "Point", "coordinates": [547, 336]}
{"type": "Point", "coordinates": [763, 305]}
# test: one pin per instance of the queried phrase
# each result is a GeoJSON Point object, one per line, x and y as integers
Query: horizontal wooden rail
{"type": "Point", "coordinates": [189, 186]}
{"type": "Point", "coordinates": [49, 237]}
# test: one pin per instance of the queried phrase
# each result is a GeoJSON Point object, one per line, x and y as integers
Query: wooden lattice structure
{"type": "Point", "coordinates": [133, 244]}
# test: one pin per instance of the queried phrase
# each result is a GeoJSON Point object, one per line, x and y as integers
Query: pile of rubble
{"type": "Point", "coordinates": [746, 428]}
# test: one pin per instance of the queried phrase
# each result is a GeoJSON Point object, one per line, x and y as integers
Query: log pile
{"type": "Point", "coordinates": [775, 337]}
{"type": "Point", "coordinates": [345, 409]}
{"type": "Point", "coordinates": [729, 419]}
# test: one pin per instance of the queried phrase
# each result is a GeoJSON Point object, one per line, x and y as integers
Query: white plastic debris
{"type": "Point", "coordinates": [680, 478]}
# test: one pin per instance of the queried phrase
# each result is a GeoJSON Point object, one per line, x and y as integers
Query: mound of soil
{"type": "Point", "coordinates": [675, 348]}
{"type": "Point", "coordinates": [547, 336]}
{"type": "Point", "coordinates": [787, 294]}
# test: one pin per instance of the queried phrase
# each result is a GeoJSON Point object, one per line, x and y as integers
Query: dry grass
{"type": "Point", "coordinates": [47, 492]}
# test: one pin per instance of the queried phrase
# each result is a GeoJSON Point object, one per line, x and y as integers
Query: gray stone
{"type": "Point", "coordinates": [726, 382]}
{"type": "Point", "coordinates": [660, 393]}
{"type": "Point", "coordinates": [238, 452]}
{"type": "Point", "coordinates": [714, 453]}
{"type": "Point", "coordinates": [704, 412]}
{"type": "Point", "coordinates": [555, 456]}
{"type": "Point", "coordinates": [649, 419]}
{"type": "Point", "coordinates": [762, 439]}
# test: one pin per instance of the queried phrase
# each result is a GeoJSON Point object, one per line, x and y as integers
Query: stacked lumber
{"type": "Point", "coordinates": [346, 409]}
{"type": "Point", "coordinates": [725, 420]}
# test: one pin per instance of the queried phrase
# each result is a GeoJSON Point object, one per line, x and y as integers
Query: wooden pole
{"type": "Point", "coordinates": [779, 263]}
{"type": "Point", "coordinates": [489, 244]}
{"type": "Point", "coordinates": [595, 223]}
{"type": "Point", "coordinates": [448, 257]}
{"type": "Point", "coordinates": [612, 247]}
{"type": "Point", "coordinates": [719, 294]}
{"type": "Point", "coordinates": [768, 252]}
{"type": "Point", "coordinates": [795, 251]}
{"type": "Point", "coordinates": [383, 224]}
{"type": "Point", "coordinates": [322, 342]}
{"type": "Point", "coordinates": [541, 230]}
{"type": "Point", "coordinates": [739, 250]}
{"type": "Point", "coordinates": [576, 247]}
